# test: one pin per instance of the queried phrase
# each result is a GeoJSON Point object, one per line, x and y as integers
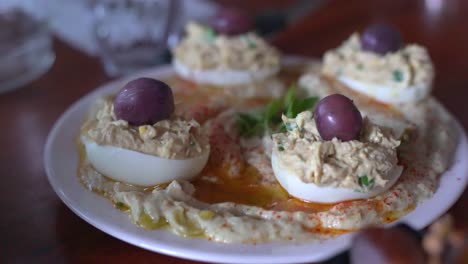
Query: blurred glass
{"type": "Point", "coordinates": [25, 48]}
{"type": "Point", "coordinates": [132, 34]}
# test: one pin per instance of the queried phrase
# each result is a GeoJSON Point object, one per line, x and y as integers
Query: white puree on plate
{"type": "Point", "coordinates": [425, 155]}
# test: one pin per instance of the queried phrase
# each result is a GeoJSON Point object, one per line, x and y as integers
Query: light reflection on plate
{"type": "Point", "coordinates": [61, 160]}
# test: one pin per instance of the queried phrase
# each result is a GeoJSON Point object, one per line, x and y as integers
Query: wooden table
{"type": "Point", "coordinates": [36, 227]}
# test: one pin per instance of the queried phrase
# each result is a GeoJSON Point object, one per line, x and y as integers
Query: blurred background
{"type": "Point", "coordinates": [58, 50]}
{"type": "Point", "coordinates": [127, 35]}
{"type": "Point", "coordinates": [147, 29]}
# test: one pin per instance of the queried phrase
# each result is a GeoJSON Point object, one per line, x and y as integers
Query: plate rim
{"type": "Point", "coordinates": [339, 243]}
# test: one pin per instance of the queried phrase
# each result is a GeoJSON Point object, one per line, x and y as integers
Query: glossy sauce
{"type": "Point", "coordinates": [248, 190]}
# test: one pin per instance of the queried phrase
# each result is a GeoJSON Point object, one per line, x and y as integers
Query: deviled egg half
{"type": "Point", "coordinates": [225, 52]}
{"type": "Point", "coordinates": [334, 155]}
{"type": "Point", "coordinates": [376, 64]}
{"type": "Point", "coordinates": [136, 138]}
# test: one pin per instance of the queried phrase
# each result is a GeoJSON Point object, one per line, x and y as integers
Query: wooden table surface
{"type": "Point", "coordinates": [36, 227]}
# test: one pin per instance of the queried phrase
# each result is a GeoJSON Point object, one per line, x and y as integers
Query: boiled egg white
{"type": "Point", "coordinates": [141, 169]}
{"type": "Point", "coordinates": [223, 77]}
{"type": "Point", "coordinates": [388, 94]}
{"type": "Point", "coordinates": [313, 193]}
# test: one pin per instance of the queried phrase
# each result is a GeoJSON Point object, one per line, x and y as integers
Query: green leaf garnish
{"type": "Point", "coordinates": [271, 111]}
{"type": "Point", "coordinates": [290, 97]}
{"type": "Point", "coordinates": [248, 125]}
{"type": "Point", "coordinates": [397, 76]}
{"type": "Point", "coordinates": [268, 119]}
{"type": "Point", "coordinates": [304, 104]}
{"type": "Point", "coordinates": [365, 183]}
{"type": "Point", "coordinates": [295, 106]}
{"type": "Point", "coordinates": [360, 66]}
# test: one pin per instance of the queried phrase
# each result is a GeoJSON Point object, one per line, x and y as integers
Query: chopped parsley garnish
{"type": "Point", "coordinates": [397, 76]}
{"type": "Point", "coordinates": [268, 119]}
{"type": "Point", "coordinates": [365, 183]}
{"type": "Point", "coordinates": [192, 144]}
{"type": "Point", "coordinates": [121, 206]}
{"type": "Point", "coordinates": [210, 34]}
{"type": "Point", "coordinates": [250, 43]}
{"type": "Point", "coordinates": [290, 126]}
{"type": "Point", "coordinates": [280, 147]}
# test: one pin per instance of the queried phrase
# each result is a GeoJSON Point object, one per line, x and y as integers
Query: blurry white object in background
{"type": "Point", "coordinates": [25, 48]}
{"type": "Point", "coordinates": [132, 34]}
{"type": "Point", "coordinates": [72, 20]}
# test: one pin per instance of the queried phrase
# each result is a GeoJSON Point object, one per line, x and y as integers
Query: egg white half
{"type": "Point", "coordinates": [223, 77]}
{"type": "Point", "coordinates": [138, 168]}
{"type": "Point", "coordinates": [387, 94]}
{"type": "Point", "coordinates": [313, 193]}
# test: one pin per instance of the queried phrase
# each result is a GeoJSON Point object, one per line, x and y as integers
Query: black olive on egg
{"type": "Point", "coordinates": [381, 39]}
{"type": "Point", "coordinates": [337, 116]}
{"type": "Point", "coordinates": [231, 21]}
{"type": "Point", "coordinates": [144, 101]}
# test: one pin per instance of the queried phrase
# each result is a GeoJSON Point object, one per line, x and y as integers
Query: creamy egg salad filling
{"type": "Point", "coordinates": [207, 57]}
{"type": "Point", "coordinates": [173, 138]}
{"type": "Point", "coordinates": [359, 168]}
{"type": "Point", "coordinates": [402, 76]}
{"type": "Point", "coordinates": [144, 155]}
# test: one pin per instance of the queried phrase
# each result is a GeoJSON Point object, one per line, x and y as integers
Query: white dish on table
{"type": "Point", "coordinates": [61, 161]}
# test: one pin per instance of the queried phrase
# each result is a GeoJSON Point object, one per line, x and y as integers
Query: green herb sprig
{"type": "Point", "coordinates": [365, 183]}
{"type": "Point", "coordinates": [397, 75]}
{"type": "Point", "coordinates": [268, 119]}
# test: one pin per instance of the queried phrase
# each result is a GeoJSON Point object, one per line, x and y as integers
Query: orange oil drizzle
{"type": "Point", "coordinates": [248, 190]}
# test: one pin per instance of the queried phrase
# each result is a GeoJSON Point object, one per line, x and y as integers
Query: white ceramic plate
{"type": "Point", "coordinates": [61, 158]}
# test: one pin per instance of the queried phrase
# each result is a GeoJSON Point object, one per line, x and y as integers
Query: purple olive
{"type": "Point", "coordinates": [231, 21]}
{"type": "Point", "coordinates": [381, 39]}
{"type": "Point", "coordinates": [337, 116]}
{"type": "Point", "coordinates": [144, 101]}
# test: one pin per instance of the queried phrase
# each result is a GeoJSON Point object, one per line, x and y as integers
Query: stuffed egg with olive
{"type": "Point", "coordinates": [136, 138]}
{"type": "Point", "coordinates": [377, 64]}
{"type": "Point", "coordinates": [225, 52]}
{"type": "Point", "coordinates": [333, 154]}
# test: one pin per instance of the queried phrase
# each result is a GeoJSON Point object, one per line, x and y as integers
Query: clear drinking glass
{"type": "Point", "coordinates": [132, 34]}
{"type": "Point", "coordinates": [25, 48]}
